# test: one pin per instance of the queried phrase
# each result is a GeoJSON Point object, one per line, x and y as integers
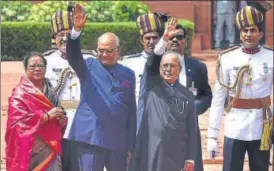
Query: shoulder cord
{"type": "Point", "coordinates": [237, 83]}
{"type": "Point", "coordinates": [61, 81]}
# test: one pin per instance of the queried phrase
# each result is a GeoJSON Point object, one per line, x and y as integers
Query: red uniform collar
{"type": "Point", "coordinates": [251, 51]}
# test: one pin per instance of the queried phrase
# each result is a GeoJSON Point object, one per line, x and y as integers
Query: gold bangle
{"type": "Point", "coordinates": [47, 116]}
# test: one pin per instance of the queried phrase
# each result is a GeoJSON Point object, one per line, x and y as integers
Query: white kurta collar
{"type": "Point", "coordinates": [182, 75]}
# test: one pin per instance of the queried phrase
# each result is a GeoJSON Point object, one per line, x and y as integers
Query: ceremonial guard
{"type": "Point", "coordinates": [244, 75]}
{"type": "Point", "coordinates": [63, 78]}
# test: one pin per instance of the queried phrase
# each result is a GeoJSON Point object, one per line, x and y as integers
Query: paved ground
{"type": "Point", "coordinates": [10, 74]}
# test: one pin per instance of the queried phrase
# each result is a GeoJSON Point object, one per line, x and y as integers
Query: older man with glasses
{"type": "Point", "coordinates": [167, 136]}
{"type": "Point", "coordinates": [193, 75]}
{"type": "Point", "coordinates": [104, 126]}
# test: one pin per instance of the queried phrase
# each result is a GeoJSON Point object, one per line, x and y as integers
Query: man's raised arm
{"type": "Point", "coordinates": [74, 54]}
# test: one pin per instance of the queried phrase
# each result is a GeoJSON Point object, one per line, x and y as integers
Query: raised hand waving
{"type": "Point", "coordinates": [79, 17]}
{"type": "Point", "coordinates": [170, 29]}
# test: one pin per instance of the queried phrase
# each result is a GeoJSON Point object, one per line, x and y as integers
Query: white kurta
{"type": "Point", "coordinates": [242, 124]}
{"type": "Point", "coordinates": [71, 90]}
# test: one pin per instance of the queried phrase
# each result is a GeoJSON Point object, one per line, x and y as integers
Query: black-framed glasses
{"type": "Point", "coordinates": [178, 37]}
{"type": "Point", "coordinates": [39, 66]}
{"type": "Point", "coordinates": [107, 51]}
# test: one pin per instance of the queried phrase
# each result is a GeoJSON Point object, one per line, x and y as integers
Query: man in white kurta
{"type": "Point", "coordinates": [244, 122]}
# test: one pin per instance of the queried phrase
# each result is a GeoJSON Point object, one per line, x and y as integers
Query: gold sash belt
{"type": "Point", "coordinates": [258, 103]}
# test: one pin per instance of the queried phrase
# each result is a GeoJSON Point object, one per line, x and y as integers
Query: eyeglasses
{"type": "Point", "coordinates": [178, 37]}
{"type": "Point", "coordinates": [168, 66]}
{"type": "Point", "coordinates": [107, 51]}
{"type": "Point", "coordinates": [39, 66]}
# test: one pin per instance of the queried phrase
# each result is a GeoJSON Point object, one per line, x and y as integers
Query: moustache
{"type": "Point", "coordinates": [175, 41]}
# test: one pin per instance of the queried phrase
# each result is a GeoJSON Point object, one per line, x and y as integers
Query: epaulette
{"type": "Point", "coordinates": [268, 47]}
{"type": "Point", "coordinates": [229, 50]}
{"type": "Point", "coordinates": [132, 56]}
{"type": "Point", "coordinates": [89, 52]}
{"type": "Point", "coordinates": [49, 52]}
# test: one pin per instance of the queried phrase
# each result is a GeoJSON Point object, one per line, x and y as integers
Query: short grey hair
{"type": "Point", "coordinates": [175, 54]}
{"type": "Point", "coordinates": [109, 33]}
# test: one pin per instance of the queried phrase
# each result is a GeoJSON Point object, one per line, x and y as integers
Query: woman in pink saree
{"type": "Point", "coordinates": [35, 121]}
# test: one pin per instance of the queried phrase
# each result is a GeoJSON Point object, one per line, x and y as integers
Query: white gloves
{"type": "Point", "coordinates": [212, 147]}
